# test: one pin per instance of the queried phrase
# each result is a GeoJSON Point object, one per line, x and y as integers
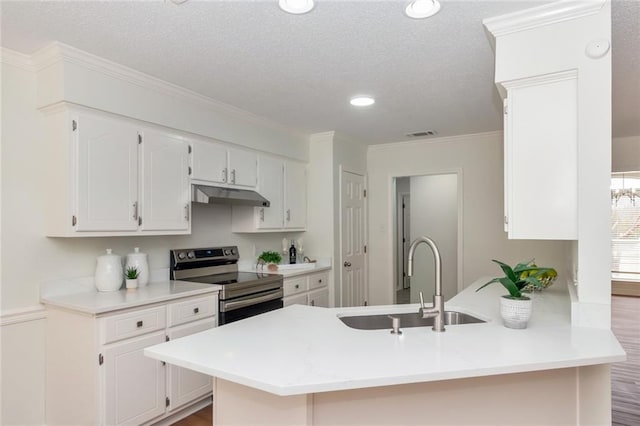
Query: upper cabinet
{"type": "Point", "coordinates": [219, 164]}
{"type": "Point", "coordinates": [110, 177]}
{"type": "Point", "coordinates": [541, 157]}
{"type": "Point", "coordinates": [284, 184]}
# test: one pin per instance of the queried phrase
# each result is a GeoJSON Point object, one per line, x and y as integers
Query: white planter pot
{"type": "Point", "coordinates": [515, 312]}
{"type": "Point", "coordinates": [131, 283]}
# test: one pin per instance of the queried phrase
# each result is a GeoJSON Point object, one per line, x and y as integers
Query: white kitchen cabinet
{"type": "Point", "coordinates": [541, 157]}
{"type": "Point", "coordinates": [295, 195]}
{"type": "Point", "coordinates": [107, 174]}
{"type": "Point", "coordinates": [110, 176]}
{"type": "Point", "coordinates": [319, 297]}
{"type": "Point", "coordinates": [284, 184]}
{"type": "Point", "coordinates": [134, 386]}
{"type": "Point", "coordinates": [166, 200]}
{"type": "Point", "coordinates": [185, 386]}
{"type": "Point", "coordinates": [97, 372]}
{"type": "Point", "coordinates": [270, 186]}
{"type": "Point", "coordinates": [218, 164]}
{"type": "Point", "coordinates": [310, 289]}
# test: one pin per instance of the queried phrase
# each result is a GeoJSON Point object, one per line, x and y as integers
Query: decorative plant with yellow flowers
{"type": "Point", "coordinates": [523, 277]}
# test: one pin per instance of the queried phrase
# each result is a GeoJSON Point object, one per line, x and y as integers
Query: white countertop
{"type": "Point", "coordinates": [288, 271]}
{"type": "Point", "coordinates": [303, 349]}
{"type": "Point", "coordinates": [96, 302]}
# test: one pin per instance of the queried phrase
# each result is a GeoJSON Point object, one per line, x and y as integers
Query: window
{"type": "Point", "coordinates": [625, 225]}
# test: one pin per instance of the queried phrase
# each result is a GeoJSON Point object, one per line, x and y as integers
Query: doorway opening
{"type": "Point", "coordinates": [428, 205]}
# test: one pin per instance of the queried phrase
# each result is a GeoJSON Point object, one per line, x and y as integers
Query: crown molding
{"type": "Point", "coordinates": [445, 139]}
{"type": "Point", "coordinates": [539, 16]}
{"type": "Point", "coordinates": [537, 80]}
{"type": "Point", "coordinates": [57, 52]}
{"type": "Point", "coordinates": [16, 59]}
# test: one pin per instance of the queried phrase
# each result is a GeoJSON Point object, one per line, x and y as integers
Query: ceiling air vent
{"type": "Point", "coordinates": [423, 134]}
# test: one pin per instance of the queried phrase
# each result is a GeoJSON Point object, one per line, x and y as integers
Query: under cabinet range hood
{"type": "Point", "coordinates": [236, 197]}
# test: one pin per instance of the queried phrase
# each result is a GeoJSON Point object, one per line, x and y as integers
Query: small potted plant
{"type": "Point", "coordinates": [271, 259]}
{"type": "Point", "coordinates": [515, 308]}
{"type": "Point", "coordinates": [131, 277]}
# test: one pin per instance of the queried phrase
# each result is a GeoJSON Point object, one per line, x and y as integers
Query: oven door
{"type": "Point", "coordinates": [247, 306]}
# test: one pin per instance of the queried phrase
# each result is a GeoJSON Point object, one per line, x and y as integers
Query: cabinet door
{"type": "Point", "coordinates": [165, 183]}
{"type": "Point", "coordinates": [243, 168]}
{"type": "Point", "coordinates": [186, 385]}
{"type": "Point", "coordinates": [134, 383]}
{"type": "Point", "coordinates": [295, 300]}
{"type": "Point", "coordinates": [319, 297]}
{"type": "Point", "coordinates": [270, 186]}
{"type": "Point", "coordinates": [209, 162]}
{"type": "Point", "coordinates": [295, 195]}
{"type": "Point", "coordinates": [107, 180]}
{"type": "Point", "coordinates": [541, 158]}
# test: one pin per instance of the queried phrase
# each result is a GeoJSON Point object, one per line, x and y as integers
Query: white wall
{"type": "Point", "coordinates": [625, 154]}
{"type": "Point", "coordinates": [480, 159]}
{"type": "Point", "coordinates": [30, 258]}
{"type": "Point", "coordinates": [434, 213]}
{"type": "Point", "coordinates": [544, 47]}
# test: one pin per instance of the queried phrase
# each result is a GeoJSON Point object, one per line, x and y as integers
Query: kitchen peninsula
{"type": "Point", "coordinates": [302, 365]}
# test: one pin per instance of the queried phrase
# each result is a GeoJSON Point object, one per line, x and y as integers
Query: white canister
{"type": "Point", "coordinates": [140, 262]}
{"type": "Point", "coordinates": [109, 273]}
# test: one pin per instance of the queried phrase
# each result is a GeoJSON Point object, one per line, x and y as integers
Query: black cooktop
{"type": "Point", "coordinates": [231, 278]}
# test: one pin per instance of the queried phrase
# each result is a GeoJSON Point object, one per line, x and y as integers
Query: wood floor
{"type": "Point", "coordinates": [625, 376]}
{"type": "Point", "coordinates": [204, 417]}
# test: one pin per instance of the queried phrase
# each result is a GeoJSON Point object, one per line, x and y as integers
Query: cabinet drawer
{"type": "Point", "coordinates": [295, 285]}
{"type": "Point", "coordinates": [192, 309]}
{"type": "Point", "coordinates": [130, 324]}
{"type": "Point", "coordinates": [318, 280]}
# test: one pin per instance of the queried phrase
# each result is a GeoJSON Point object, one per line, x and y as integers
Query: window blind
{"type": "Point", "coordinates": [625, 223]}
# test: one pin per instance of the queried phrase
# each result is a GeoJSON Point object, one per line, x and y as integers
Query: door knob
{"type": "Point", "coordinates": [347, 264]}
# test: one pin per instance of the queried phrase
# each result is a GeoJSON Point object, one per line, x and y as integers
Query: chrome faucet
{"type": "Point", "coordinates": [437, 311]}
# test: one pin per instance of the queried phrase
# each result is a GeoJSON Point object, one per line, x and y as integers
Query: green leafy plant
{"type": "Point", "coordinates": [270, 257]}
{"type": "Point", "coordinates": [523, 276]}
{"type": "Point", "coordinates": [132, 273]}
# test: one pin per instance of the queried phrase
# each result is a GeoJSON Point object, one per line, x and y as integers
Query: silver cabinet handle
{"type": "Point", "coordinates": [262, 214]}
{"type": "Point", "coordinates": [224, 174]}
{"type": "Point", "coordinates": [347, 264]}
{"type": "Point", "coordinates": [288, 215]}
{"type": "Point", "coordinates": [233, 176]}
{"type": "Point", "coordinates": [186, 212]}
{"type": "Point", "coordinates": [135, 211]}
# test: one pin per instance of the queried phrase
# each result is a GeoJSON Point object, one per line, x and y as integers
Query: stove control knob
{"type": "Point", "coordinates": [181, 255]}
{"type": "Point", "coordinates": [227, 252]}
{"type": "Point", "coordinates": [233, 251]}
{"type": "Point", "coordinates": [191, 255]}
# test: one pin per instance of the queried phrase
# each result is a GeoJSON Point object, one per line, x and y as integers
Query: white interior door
{"type": "Point", "coordinates": [353, 290]}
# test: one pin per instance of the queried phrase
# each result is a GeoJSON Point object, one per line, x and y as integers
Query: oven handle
{"type": "Point", "coordinates": [250, 300]}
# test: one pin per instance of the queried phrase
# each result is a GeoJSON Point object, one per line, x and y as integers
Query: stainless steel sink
{"type": "Point", "coordinates": [412, 319]}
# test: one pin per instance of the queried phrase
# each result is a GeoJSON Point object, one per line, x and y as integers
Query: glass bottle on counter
{"type": "Point", "coordinates": [292, 252]}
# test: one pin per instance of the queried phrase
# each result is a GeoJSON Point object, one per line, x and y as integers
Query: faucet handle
{"type": "Point", "coordinates": [421, 301]}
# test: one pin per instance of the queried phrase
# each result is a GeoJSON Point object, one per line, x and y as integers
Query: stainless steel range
{"type": "Point", "coordinates": [243, 294]}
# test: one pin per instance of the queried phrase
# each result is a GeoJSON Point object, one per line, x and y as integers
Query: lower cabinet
{"type": "Point", "coordinates": [97, 372]}
{"type": "Point", "coordinates": [311, 289]}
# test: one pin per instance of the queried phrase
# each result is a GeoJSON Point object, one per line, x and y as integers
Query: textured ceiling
{"type": "Point", "coordinates": [301, 71]}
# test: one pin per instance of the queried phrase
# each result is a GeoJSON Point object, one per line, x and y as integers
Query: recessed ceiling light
{"type": "Point", "coordinates": [362, 101]}
{"type": "Point", "coordinates": [420, 9]}
{"type": "Point", "coordinates": [297, 7]}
